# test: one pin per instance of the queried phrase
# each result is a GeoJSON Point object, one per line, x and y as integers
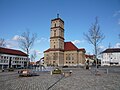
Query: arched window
{"type": "Point", "coordinates": [55, 33]}
{"type": "Point", "coordinates": [55, 24]}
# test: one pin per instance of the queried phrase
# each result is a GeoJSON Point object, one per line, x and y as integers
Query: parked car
{"type": "Point", "coordinates": [27, 73]}
{"type": "Point", "coordinates": [56, 71]}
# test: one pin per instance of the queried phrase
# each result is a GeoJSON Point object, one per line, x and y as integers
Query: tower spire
{"type": "Point", "coordinates": [57, 15]}
{"type": "Point", "coordinates": [109, 45]}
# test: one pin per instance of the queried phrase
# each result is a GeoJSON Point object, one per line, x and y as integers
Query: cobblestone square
{"type": "Point", "coordinates": [80, 79]}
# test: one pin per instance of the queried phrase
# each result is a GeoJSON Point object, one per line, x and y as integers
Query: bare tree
{"type": "Point", "coordinates": [94, 37]}
{"type": "Point", "coordinates": [33, 56]}
{"type": "Point", "coordinates": [26, 41]}
{"type": "Point", "coordinates": [2, 42]}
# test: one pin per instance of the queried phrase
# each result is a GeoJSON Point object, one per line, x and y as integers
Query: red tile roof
{"type": "Point", "coordinates": [89, 56]}
{"type": "Point", "coordinates": [68, 46]}
{"type": "Point", "coordinates": [12, 52]}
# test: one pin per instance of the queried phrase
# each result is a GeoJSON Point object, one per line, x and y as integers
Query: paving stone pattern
{"type": "Point", "coordinates": [80, 79]}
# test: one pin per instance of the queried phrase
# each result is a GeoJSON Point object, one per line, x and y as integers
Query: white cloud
{"type": "Point", "coordinates": [41, 40]}
{"type": "Point", "coordinates": [117, 45]}
{"type": "Point", "coordinates": [11, 44]}
{"type": "Point", "coordinates": [116, 13]}
{"type": "Point", "coordinates": [101, 48]}
{"type": "Point", "coordinates": [17, 37]}
{"type": "Point", "coordinates": [38, 52]}
{"type": "Point", "coordinates": [77, 41]}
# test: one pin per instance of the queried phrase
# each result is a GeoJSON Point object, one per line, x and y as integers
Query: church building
{"type": "Point", "coordinates": [62, 53]}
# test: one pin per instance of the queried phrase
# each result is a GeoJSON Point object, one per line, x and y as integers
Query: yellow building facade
{"type": "Point", "coordinates": [62, 53]}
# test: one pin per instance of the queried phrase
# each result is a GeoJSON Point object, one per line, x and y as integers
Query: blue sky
{"type": "Point", "coordinates": [18, 15]}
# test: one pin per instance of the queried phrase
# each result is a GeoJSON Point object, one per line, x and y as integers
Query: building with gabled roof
{"type": "Point", "coordinates": [62, 53]}
{"type": "Point", "coordinates": [13, 58]}
{"type": "Point", "coordinates": [12, 52]}
{"type": "Point", "coordinates": [110, 56]}
{"type": "Point", "coordinates": [90, 59]}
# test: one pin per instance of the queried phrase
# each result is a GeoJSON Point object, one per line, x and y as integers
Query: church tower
{"type": "Point", "coordinates": [57, 34]}
{"type": "Point", "coordinates": [62, 53]}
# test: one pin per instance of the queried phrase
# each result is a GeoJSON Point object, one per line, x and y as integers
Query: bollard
{"type": "Point", "coordinates": [50, 72]}
{"type": "Point", "coordinates": [70, 72]}
{"type": "Point", "coordinates": [107, 71]}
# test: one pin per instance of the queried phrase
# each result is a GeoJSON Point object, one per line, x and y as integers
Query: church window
{"type": "Point", "coordinates": [66, 58]}
{"type": "Point", "coordinates": [55, 24]}
{"type": "Point", "coordinates": [69, 57]}
{"type": "Point", "coordinates": [54, 33]}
